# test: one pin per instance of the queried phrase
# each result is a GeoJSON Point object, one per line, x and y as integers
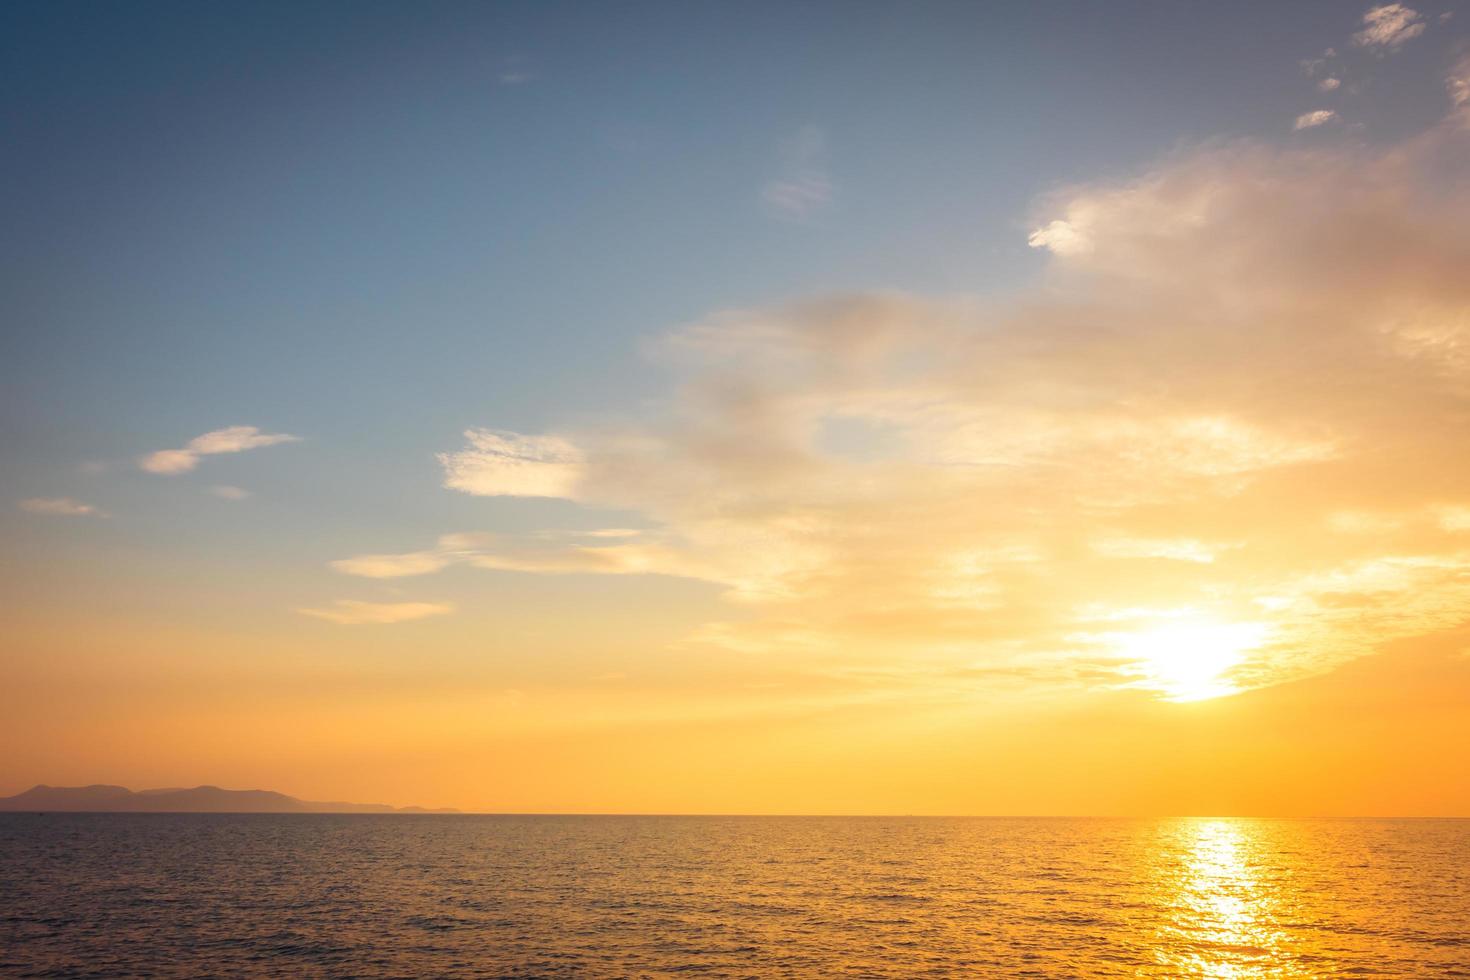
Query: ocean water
{"type": "Point", "coordinates": [545, 896]}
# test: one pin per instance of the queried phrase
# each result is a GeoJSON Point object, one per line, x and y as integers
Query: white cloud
{"type": "Point", "coordinates": [60, 507]}
{"type": "Point", "coordinates": [1329, 84]}
{"type": "Point", "coordinates": [1060, 237]}
{"type": "Point", "coordinates": [235, 439]}
{"type": "Point", "coordinates": [1389, 26]}
{"type": "Point", "coordinates": [229, 493]}
{"type": "Point", "coordinates": [351, 612]}
{"type": "Point", "coordinates": [803, 186]}
{"type": "Point", "coordinates": [508, 464]}
{"type": "Point", "coordinates": [1317, 117]}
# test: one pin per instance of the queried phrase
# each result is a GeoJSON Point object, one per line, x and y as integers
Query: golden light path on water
{"type": "Point", "coordinates": [1225, 912]}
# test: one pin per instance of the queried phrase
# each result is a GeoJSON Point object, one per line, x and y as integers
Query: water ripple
{"type": "Point", "coordinates": [87, 895]}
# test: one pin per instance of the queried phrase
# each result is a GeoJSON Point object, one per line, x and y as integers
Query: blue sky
{"type": "Point", "coordinates": [375, 225]}
{"type": "Point", "coordinates": [404, 221]}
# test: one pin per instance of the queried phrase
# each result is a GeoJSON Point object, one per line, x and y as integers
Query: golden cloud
{"type": "Point", "coordinates": [1232, 359]}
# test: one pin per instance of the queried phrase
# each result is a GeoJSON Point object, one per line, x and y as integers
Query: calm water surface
{"type": "Point", "coordinates": [421, 896]}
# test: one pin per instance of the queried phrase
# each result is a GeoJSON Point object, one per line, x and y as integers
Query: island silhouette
{"type": "Point", "coordinates": [100, 798]}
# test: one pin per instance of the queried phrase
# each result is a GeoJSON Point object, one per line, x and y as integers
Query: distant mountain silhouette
{"type": "Point", "coordinates": [200, 799]}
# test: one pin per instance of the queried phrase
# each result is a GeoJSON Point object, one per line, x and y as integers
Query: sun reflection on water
{"type": "Point", "coordinates": [1225, 924]}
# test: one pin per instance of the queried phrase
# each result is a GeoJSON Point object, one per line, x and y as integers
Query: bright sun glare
{"type": "Point", "coordinates": [1188, 659]}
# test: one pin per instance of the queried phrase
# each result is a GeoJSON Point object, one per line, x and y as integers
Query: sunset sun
{"type": "Point", "coordinates": [1190, 659]}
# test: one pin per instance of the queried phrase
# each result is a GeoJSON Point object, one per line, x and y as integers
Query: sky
{"type": "Point", "coordinates": [1055, 408]}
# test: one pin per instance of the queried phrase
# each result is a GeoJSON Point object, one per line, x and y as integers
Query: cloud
{"type": "Point", "coordinates": [351, 612]}
{"type": "Point", "coordinates": [1172, 549]}
{"type": "Point", "coordinates": [229, 493]}
{"type": "Point", "coordinates": [1458, 82]}
{"type": "Point", "coordinates": [507, 464]}
{"type": "Point", "coordinates": [235, 439]}
{"type": "Point", "coordinates": [1061, 237]}
{"type": "Point", "coordinates": [59, 507]}
{"type": "Point", "coordinates": [1388, 26]}
{"type": "Point", "coordinates": [604, 552]}
{"type": "Point", "coordinates": [804, 185]}
{"type": "Point", "coordinates": [1313, 67]}
{"type": "Point", "coordinates": [1317, 117]}
{"type": "Point", "coordinates": [169, 461]}
{"type": "Point", "coordinates": [394, 566]}
{"type": "Point", "coordinates": [1237, 396]}
{"type": "Point", "coordinates": [515, 70]}
{"type": "Point", "coordinates": [1323, 70]}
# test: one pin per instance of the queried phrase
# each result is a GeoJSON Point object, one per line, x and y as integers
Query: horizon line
{"type": "Point", "coordinates": [457, 812]}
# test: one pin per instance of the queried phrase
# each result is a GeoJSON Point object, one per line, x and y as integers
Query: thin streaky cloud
{"type": "Point", "coordinates": [607, 551]}
{"type": "Point", "coordinates": [515, 71]}
{"type": "Point", "coordinates": [234, 439]}
{"type": "Point", "coordinates": [1315, 118]}
{"type": "Point", "coordinates": [353, 612]}
{"type": "Point", "coordinates": [803, 186]}
{"type": "Point", "coordinates": [59, 507]}
{"type": "Point", "coordinates": [394, 566]}
{"type": "Point", "coordinates": [229, 493]}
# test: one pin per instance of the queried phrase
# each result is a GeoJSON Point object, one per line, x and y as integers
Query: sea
{"type": "Point", "coordinates": [220, 895]}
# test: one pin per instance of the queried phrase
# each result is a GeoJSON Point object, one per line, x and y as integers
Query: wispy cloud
{"type": "Point", "coordinates": [1329, 84]}
{"type": "Point", "coordinates": [235, 439]}
{"type": "Point", "coordinates": [1388, 26]}
{"type": "Point", "coordinates": [610, 551]}
{"type": "Point", "coordinates": [351, 612]}
{"type": "Point", "coordinates": [515, 70]}
{"type": "Point", "coordinates": [60, 507]}
{"type": "Point", "coordinates": [396, 565]}
{"type": "Point", "coordinates": [803, 186]}
{"type": "Point", "coordinates": [229, 493]}
{"type": "Point", "coordinates": [1318, 67]}
{"type": "Point", "coordinates": [1313, 119]}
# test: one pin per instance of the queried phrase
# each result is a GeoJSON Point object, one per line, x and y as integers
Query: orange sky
{"type": "Point", "coordinates": [1181, 526]}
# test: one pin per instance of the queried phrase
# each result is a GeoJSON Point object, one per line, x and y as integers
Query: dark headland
{"type": "Point", "coordinates": [200, 799]}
